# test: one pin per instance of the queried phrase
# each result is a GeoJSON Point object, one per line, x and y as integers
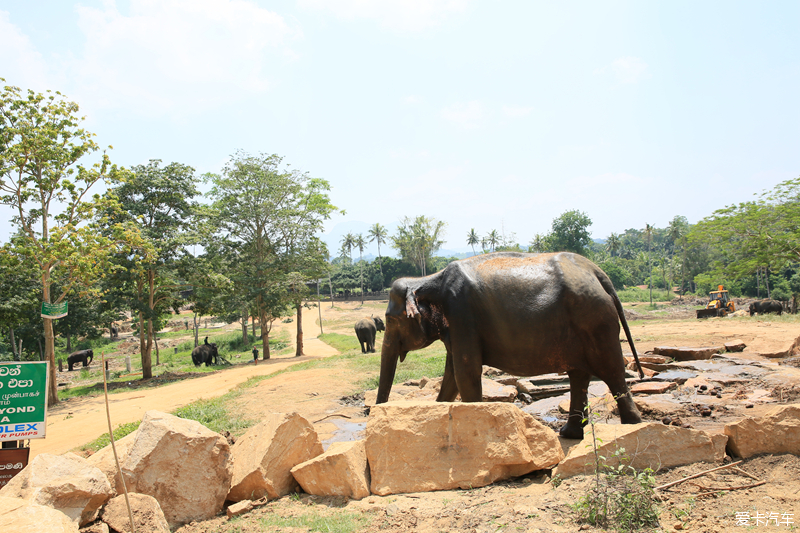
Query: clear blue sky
{"type": "Point", "coordinates": [486, 115]}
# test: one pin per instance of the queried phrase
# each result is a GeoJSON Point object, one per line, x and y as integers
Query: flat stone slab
{"type": "Point", "coordinates": [735, 346]}
{"type": "Point", "coordinates": [683, 353]}
{"type": "Point", "coordinates": [651, 387]}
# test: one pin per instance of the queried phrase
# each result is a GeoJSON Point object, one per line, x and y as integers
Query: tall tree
{"type": "Point", "coordinates": [613, 244]}
{"type": "Point", "coordinates": [360, 243]}
{"type": "Point", "coordinates": [269, 210]}
{"type": "Point", "coordinates": [159, 201]}
{"type": "Point", "coordinates": [348, 242]}
{"type": "Point", "coordinates": [570, 233]}
{"type": "Point", "coordinates": [648, 237]}
{"type": "Point", "coordinates": [378, 234]}
{"type": "Point", "coordinates": [473, 239]}
{"type": "Point", "coordinates": [417, 240]}
{"type": "Point", "coordinates": [492, 238]}
{"type": "Point", "coordinates": [41, 142]}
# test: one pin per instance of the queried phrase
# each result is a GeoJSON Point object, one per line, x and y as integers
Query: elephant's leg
{"type": "Point", "coordinates": [613, 374]}
{"type": "Point", "coordinates": [448, 390]}
{"type": "Point", "coordinates": [578, 396]}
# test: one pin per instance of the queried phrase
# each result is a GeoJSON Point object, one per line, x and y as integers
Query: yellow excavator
{"type": "Point", "coordinates": [719, 304]}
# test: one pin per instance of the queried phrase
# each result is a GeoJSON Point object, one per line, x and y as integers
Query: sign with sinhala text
{"type": "Point", "coordinates": [54, 310]}
{"type": "Point", "coordinates": [23, 400]}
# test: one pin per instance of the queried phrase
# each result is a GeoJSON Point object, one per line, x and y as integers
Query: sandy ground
{"type": "Point", "coordinates": [531, 503]}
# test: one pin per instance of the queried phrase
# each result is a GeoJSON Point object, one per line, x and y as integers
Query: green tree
{"type": "Point", "coordinates": [269, 211]}
{"type": "Point", "coordinates": [360, 243]}
{"type": "Point", "coordinates": [22, 290]}
{"type": "Point", "coordinates": [348, 242]}
{"type": "Point", "coordinates": [159, 201]}
{"type": "Point", "coordinates": [418, 240]}
{"type": "Point", "coordinates": [648, 237]}
{"type": "Point", "coordinates": [613, 244]}
{"type": "Point", "coordinates": [492, 239]}
{"type": "Point", "coordinates": [473, 239]}
{"type": "Point", "coordinates": [538, 244]}
{"type": "Point", "coordinates": [570, 233]}
{"type": "Point", "coordinates": [378, 234]}
{"type": "Point", "coordinates": [41, 142]}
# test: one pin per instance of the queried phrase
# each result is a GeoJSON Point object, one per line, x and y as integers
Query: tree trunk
{"type": "Point", "coordinates": [319, 308]}
{"type": "Point", "coordinates": [41, 352]}
{"type": "Point", "coordinates": [766, 280]}
{"type": "Point", "coordinates": [253, 321]}
{"type": "Point", "coordinates": [262, 318]}
{"type": "Point", "coordinates": [17, 357]}
{"type": "Point", "coordinates": [155, 343]}
{"type": "Point", "coordinates": [244, 327]}
{"type": "Point", "coordinates": [69, 342]}
{"type": "Point", "coordinates": [299, 350]}
{"type": "Point", "coordinates": [758, 282]}
{"type": "Point", "coordinates": [196, 329]}
{"type": "Point", "coordinates": [49, 344]}
{"type": "Point", "coordinates": [145, 348]}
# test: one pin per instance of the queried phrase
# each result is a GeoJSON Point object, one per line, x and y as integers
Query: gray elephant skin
{"type": "Point", "coordinates": [766, 306]}
{"type": "Point", "coordinates": [526, 314]}
{"type": "Point", "coordinates": [81, 356]}
{"type": "Point", "coordinates": [366, 329]}
{"type": "Point", "coordinates": [205, 353]}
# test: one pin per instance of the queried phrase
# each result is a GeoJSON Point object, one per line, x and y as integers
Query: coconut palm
{"type": "Point", "coordinates": [613, 244]}
{"type": "Point", "coordinates": [360, 243]}
{"type": "Point", "coordinates": [492, 239]}
{"type": "Point", "coordinates": [473, 239]}
{"type": "Point", "coordinates": [378, 233]}
{"type": "Point", "coordinates": [348, 242]}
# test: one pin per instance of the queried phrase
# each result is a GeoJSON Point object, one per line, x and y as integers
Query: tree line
{"type": "Point", "coordinates": [148, 246]}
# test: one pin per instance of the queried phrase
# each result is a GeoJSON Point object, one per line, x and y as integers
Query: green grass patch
{"type": "Point", "coordinates": [635, 294]}
{"type": "Point", "coordinates": [337, 522]}
{"type": "Point", "coordinates": [104, 440]}
{"type": "Point", "coordinates": [215, 415]}
{"type": "Point", "coordinates": [343, 343]}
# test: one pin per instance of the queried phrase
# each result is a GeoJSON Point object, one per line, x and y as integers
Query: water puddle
{"type": "Point", "coordinates": [346, 431]}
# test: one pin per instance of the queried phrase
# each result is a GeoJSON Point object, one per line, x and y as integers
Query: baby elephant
{"type": "Point", "coordinates": [366, 328]}
{"type": "Point", "coordinates": [84, 356]}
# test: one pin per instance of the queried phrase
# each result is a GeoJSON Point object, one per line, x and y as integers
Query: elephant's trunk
{"type": "Point", "coordinates": [389, 357]}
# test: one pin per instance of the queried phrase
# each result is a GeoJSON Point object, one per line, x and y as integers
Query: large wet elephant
{"type": "Point", "coordinates": [366, 329]}
{"type": "Point", "coordinates": [526, 314]}
{"type": "Point", "coordinates": [81, 356]}
{"type": "Point", "coordinates": [205, 353]}
{"type": "Point", "coordinates": [766, 306]}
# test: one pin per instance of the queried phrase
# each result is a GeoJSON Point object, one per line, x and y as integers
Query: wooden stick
{"type": "Point", "coordinates": [714, 491]}
{"type": "Point", "coordinates": [751, 476]}
{"type": "Point", "coordinates": [114, 446]}
{"type": "Point", "coordinates": [704, 472]}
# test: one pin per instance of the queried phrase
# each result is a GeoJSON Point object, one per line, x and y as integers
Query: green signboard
{"type": "Point", "coordinates": [54, 310]}
{"type": "Point", "coordinates": [23, 400]}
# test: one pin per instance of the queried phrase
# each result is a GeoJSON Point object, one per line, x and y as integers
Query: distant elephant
{"type": "Point", "coordinates": [81, 356]}
{"type": "Point", "coordinates": [114, 331]}
{"type": "Point", "coordinates": [205, 353]}
{"type": "Point", "coordinates": [526, 314]}
{"type": "Point", "coordinates": [366, 329]}
{"type": "Point", "coordinates": [766, 306]}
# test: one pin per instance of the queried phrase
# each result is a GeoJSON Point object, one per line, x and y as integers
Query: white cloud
{"type": "Point", "coordinates": [411, 99]}
{"type": "Point", "coordinates": [172, 56]}
{"type": "Point", "coordinates": [516, 111]}
{"type": "Point", "coordinates": [467, 115]}
{"type": "Point", "coordinates": [402, 15]}
{"type": "Point", "coordinates": [22, 64]}
{"type": "Point", "coordinates": [626, 69]}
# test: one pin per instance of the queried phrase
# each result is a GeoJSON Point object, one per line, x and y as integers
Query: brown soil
{"type": "Point", "coordinates": [531, 503]}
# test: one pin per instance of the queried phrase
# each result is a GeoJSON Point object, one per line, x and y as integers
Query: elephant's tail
{"type": "Point", "coordinates": [609, 288]}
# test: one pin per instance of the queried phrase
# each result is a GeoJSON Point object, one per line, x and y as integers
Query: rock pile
{"type": "Point", "coordinates": [177, 471]}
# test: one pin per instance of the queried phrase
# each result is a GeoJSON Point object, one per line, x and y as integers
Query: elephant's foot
{"type": "Point", "coordinates": [572, 430]}
{"type": "Point", "coordinates": [628, 413]}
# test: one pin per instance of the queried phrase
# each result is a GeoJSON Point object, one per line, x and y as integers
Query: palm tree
{"type": "Point", "coordinates": [613, 244]}
{"type": "Point", "coordinates": [360, 243]}
{"type": "Point", "coordinates": [676, 231]}
{"type": "Point", "coordinates": [648, 237]}
{"type": "Point", "coordinates": [378, 233]}
{"type": "Point", "coordinates": [492, 239]}
{"type": "Point", "coordinates": [473, 239]}
{"type": "Point", "coordinates": [537, 243]}
{"type": "Point", "coordinates": [348, 242]}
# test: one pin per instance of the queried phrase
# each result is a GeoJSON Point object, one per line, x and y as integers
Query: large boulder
{"type": "Point", "coordinates": [646, 445]}
{"type": "Point", "coordinates": [341, 471]}
{"type": "Point", "coordinates": [23, 516]}
{"type": "Point", "coordinates": [104, 460]}
{"type": "Point", "coordinates": [147, 514]}
{"type": "Point", "coordinates": [265, 455]}
{"type": "Point", "coordinates": [494, 391]}
{"type": "Point", "coordinates": [67, 483]}
{"type": "Point", "coordinates": [182, 464]}
{"type": "Point", "coordinates": [684, 353]}
{"type": "Point", "coordinates": [776, 432]}
{"type": "Point", "coordinates": [426, 446]}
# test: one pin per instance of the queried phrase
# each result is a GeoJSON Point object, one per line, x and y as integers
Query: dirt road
{"type": "Point", "coordinates": [78, 421]}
